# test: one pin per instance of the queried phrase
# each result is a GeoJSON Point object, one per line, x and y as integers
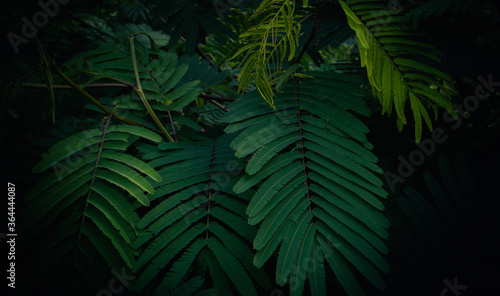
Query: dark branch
{"type": "Point", "coordinates": [221, 98]}
{"type": "Point", "coordinates": [219, 105]}
{"type": "Point", "coordinates": [308, 42]}
{"type": "Point", "coordinates": [97, 31]}
{"type": "Point", "coordinates": [172, 125]}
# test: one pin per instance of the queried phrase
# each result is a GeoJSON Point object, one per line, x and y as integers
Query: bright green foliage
{"type": "Point", "coordinates": [196, 215]}
{"type": "Point", "coordinates": [317, 182]}
{"type": "Point", "coordinates": [387, 50]}
{"type": "Point", "coordinates": [268, 44]}
{"type": "Point", "coordinates": [199, 192]}
{"type": "Point", "coordinates": [94, 183]}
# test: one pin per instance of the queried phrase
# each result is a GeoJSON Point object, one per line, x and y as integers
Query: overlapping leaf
{"type": "Point", "coordinates": [167, 83]}
{"type": "Point", "coordinates": [317, 182]}
{"type": "Point", "coordinates": [393, 60]}
{"type": "Point", "coordinates": [196, 216]}
{"type": "Point", "coordinates": [88, 202]}
{"type": "Point", "coordinates": [267, 46]}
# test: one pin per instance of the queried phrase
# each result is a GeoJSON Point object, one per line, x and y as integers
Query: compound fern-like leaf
{"type": "Point", "coordinates": [268, 44]}
{"type": "Point", "coordinates": [392, 60]}
{"type": "Point", "coordinates": [195, 215]}
{"type": "Point", "coordinates": [315, 180]}
{"type": "Point", "coordinates": [89, 200]}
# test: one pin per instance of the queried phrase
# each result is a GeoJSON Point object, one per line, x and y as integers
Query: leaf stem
{"type": "Point", "coordinates": [98, 32]}
{"type": "Point", "coordinates": [108, 120]}
{"type": "Point", "coordinates": [221, 98]}
{"type": "Point", "coordinates": [210, 189]}
{"type": "Point", "coordinates": [84, 93]}
{"type": "Point", "coordinates": [299, 115]}
{"type": "Point", "coordinates": [140, 92]}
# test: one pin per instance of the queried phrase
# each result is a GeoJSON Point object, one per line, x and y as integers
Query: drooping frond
{"type": "Point", "coordinates": [395, 63]}
{"type": "Point", "coordinates": [88, 202]}
{"type": "Point", "coordinates": [268, 45]}
{"type": "Point", "coordinates": [253, 197]}
{"type": "Point", "coordinates": [196, 216]}
{"type": "Point", "coordinates": [318, 190]}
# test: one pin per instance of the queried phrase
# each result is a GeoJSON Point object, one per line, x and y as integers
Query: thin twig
{"type": "Point", "coordinates": [219, 105]}
{"type": "Point", "coordinates": [172, 125]}
{"type": "Point", "coordinates": [220, 95]}
{"type": "Point", "coordinates": [140, 92]}
{"type": "Point", "coordinates": [84, 93]}
{"type": "Point", "coordinates": [200, 52]}
{"type": "Point", "coordinates": [151, 9]}
{"type": "Point", "coordinates": [210, 97]}
{"type": "Point", "coordinates": [92, 27]}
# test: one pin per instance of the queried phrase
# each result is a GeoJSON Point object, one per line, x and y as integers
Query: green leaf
{"type": "Point", "coordinates": [323, 162]}
{"type": "Point", "coordinates": [341, 269]}
{"type": "Point", "coordinates": [230, 265]}
{"type": "Point", "coordinates": [393, 60]}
